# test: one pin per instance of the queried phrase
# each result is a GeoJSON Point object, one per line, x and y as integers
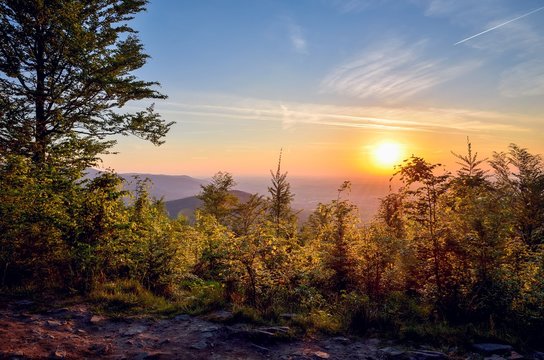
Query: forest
{"type": "Point", "coordinates": [448, 256]}
{"type": "Point", "coordinates": [452, 256]}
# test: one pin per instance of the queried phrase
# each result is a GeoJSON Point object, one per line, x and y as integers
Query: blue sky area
{"type": "Point", "coordinates": [327, 80]}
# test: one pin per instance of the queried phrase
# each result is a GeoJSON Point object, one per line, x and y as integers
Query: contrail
{"type": "Point", "coordinates": [498, 26]}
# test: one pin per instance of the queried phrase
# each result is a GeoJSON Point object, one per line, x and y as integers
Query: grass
{"type": "Point", "coordinates": [128, 297]}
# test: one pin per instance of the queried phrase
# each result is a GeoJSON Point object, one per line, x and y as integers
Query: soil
{"type": "Point", "coordinates": [74, 332]}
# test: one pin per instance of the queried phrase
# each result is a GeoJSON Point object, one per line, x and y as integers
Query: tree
{"type": "Point", "coordinates": [280, 200]}
{"type": "Point", "coordinates": [65, 72]}
{"type": "Point", "coordinates": [216, 197]}
{"type": "Point", "coordinates": [334, 231]}
{"type": "Point", "coordinates": [520, 179]}
{"type": "Point", "coordinates": [423, 207]}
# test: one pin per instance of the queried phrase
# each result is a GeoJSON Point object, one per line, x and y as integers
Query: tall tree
{"type": "Point", "coordinates": [520, 179]}
{"type": "Point", "coordinates": [280, 199]}
{"type": "Point", "coordinates": [217, 199]}
{"type": "Point", "coordinates": [423, 190]}
{"type": "Point", "coordinates": [65, 73]}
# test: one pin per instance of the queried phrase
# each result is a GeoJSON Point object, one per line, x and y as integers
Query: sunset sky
{"type": "Point", "coordinates": [331, 80]}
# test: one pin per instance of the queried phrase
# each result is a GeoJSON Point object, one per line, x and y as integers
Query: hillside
{"type": "Point", "coordinates": [188, 205]}
{"type": "Point", "coordinates": [167, 187]}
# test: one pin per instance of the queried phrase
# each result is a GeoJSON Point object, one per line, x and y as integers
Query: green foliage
{"type": "Point", "coordinates": [123, 297]}
{"type": "Point", "coordinates": [279, 209]}
{"type": "Point", "coordinates": [67, 68]}
{"type": "Point", "coordinates": [448, 259]}
{"type": "Point", "coordinates": [216, 197]}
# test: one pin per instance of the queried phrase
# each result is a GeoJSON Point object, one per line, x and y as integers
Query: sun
{"type": "Point", "coordinates": [387, 154]}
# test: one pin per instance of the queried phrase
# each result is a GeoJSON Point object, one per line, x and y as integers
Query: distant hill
{"type": "Point", "coordinates": [179, 191]}
{"type": "Point", "coordinates": [167, 187]}
{"type": "Point", "coordinates": [188, 205]}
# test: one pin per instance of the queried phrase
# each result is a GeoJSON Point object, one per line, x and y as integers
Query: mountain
{"type": "Point", "coordinates": [179, 191]}
{"type": "Point", "coordinates": [188, 205]}
{"type": "Point", "coordinates": [167, 187]}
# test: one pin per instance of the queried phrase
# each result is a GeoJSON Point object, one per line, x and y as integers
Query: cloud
{"type": "Point", "coordinates": [524, 79]}
{"type": "Point", "coordinates": [516, 39]}
{"type": "Point", "coordinates": [393, 71]}
{"type": "Point", "coordinates": [351, 6]}
{"type": "Point", "coordinates": [291, 115]}
{"type": "Point", "coordinates": [502, 24]}
{"type": "Point", "coordinates": [514, 29]}
{"type": "Point", "coordinates": [296, 36]}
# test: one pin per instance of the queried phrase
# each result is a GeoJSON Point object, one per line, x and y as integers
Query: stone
{"type": "Point", "coordinates": [261, 349]}
{"type": "Point", "coordinates": [134, 330]}
{"type": "Point", "coordinates": [100, 349]}
{"type": "Point", "coordinates": [53, 323]}
{"type": "Point", "coordinates": [24, 303]}
{"type": "Point", "coordinates": [211, 328]}
{"type": "Point", "coordinates": [96, 319]}
{"type": "Point", "coordinates": [320, 355]}
{"type": "Point", "coordinates": [515, 356]}
{"type": "Point", "coordinates": [200, 345]}
{"type": "Point", "coordinates": [341, 340]}
{"type": "Point", "coordinates": [182, 317]}
{"type": "Point", "coordinates": [219, 316]}
{"type": "Point", "coordinates": [57, 354]}
{"type": "Point", "coordinates": [391, 352]}
{"type": "Point", "coordinates": [490, 348]}
{"type": "Point", "coordinates": [494, 357]}
{"type": "Point", "coordinates": [426, 355]}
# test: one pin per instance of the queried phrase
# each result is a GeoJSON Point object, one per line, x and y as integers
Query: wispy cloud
{"type": "Point", "coordinates": [296, 37]}
{"type": "Point", "coordinates": [512, 34]}
{"type": "Point", "coordinates": [291, 115]}
{"type": "Point", "coordinates": [499, 25]}
{"type": "Point", "coordinates": [349, 6]}
{"type": "Point", "coordinates": [524, 79]}
{"type": "Point", "coordinates": [395, 70]}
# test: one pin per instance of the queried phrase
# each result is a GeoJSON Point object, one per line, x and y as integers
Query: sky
{"type": "Point", "coordinates": [329, 81]}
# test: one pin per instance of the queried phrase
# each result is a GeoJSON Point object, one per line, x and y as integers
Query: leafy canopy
{"type": "Point", "coordinates": [65, 72]}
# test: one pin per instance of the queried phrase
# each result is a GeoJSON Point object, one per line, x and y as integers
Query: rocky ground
{"type": "Point", "coordinates": [74, 332]}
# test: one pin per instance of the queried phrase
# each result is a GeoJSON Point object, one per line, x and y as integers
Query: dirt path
{"type": "Point", "coordinates": [75, 333]}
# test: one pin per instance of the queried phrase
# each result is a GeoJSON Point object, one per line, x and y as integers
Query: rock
{"type": "Point", "coordinates": [426, 355]}
{"type": "Point", "coordinates": [24, 303]}
{"type": "Point", "coordinates": [211, 328]}
{"type": "Point", "coordinates": [134, 330]}
{"type": "Point", "coordinates": [515, 356]}
{"type": "Point", "coordinates": [100, 349]}
{"type": "Point", "coordinates": [538, 355]}
{"type": "Point", "coordinates": [201, 345]}
{"type": "Point", "coordinates": [494, 357]}
{"type": "Point", "coordinates": [182, 317]}
{"type": "Point", "coordinates": [164, 342]}
{"type": "Point", "coordinates": [57, 354]}
{"type": "Point", "coordinates": [373, 342]}
{"type": "Point", "coordinates": [58, 311]}
{"type": "Point", "coordinates": [53, 323]}
{"type": "Point", "coordinates": [490, 349]}
{"type": "Point", "coordinates": [261, 349]}
{"type": "Point", "coordinates": [145, 355]}
{"type": "Point", "coordinates": [219, 316]}
{"type": "Point", "coordinates": [276, 330]}
{"type": "Point", "coordinates": [341, 340]}
{"type": "Point", "coordinates": [96, 319]}
{"type": "Point", "coordinates": [320, 355]}
{"type": "Point", "coordinates": [391, 352]}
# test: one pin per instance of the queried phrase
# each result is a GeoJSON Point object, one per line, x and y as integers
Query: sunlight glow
{"type": "Point", "coordinates": [387, 154]}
